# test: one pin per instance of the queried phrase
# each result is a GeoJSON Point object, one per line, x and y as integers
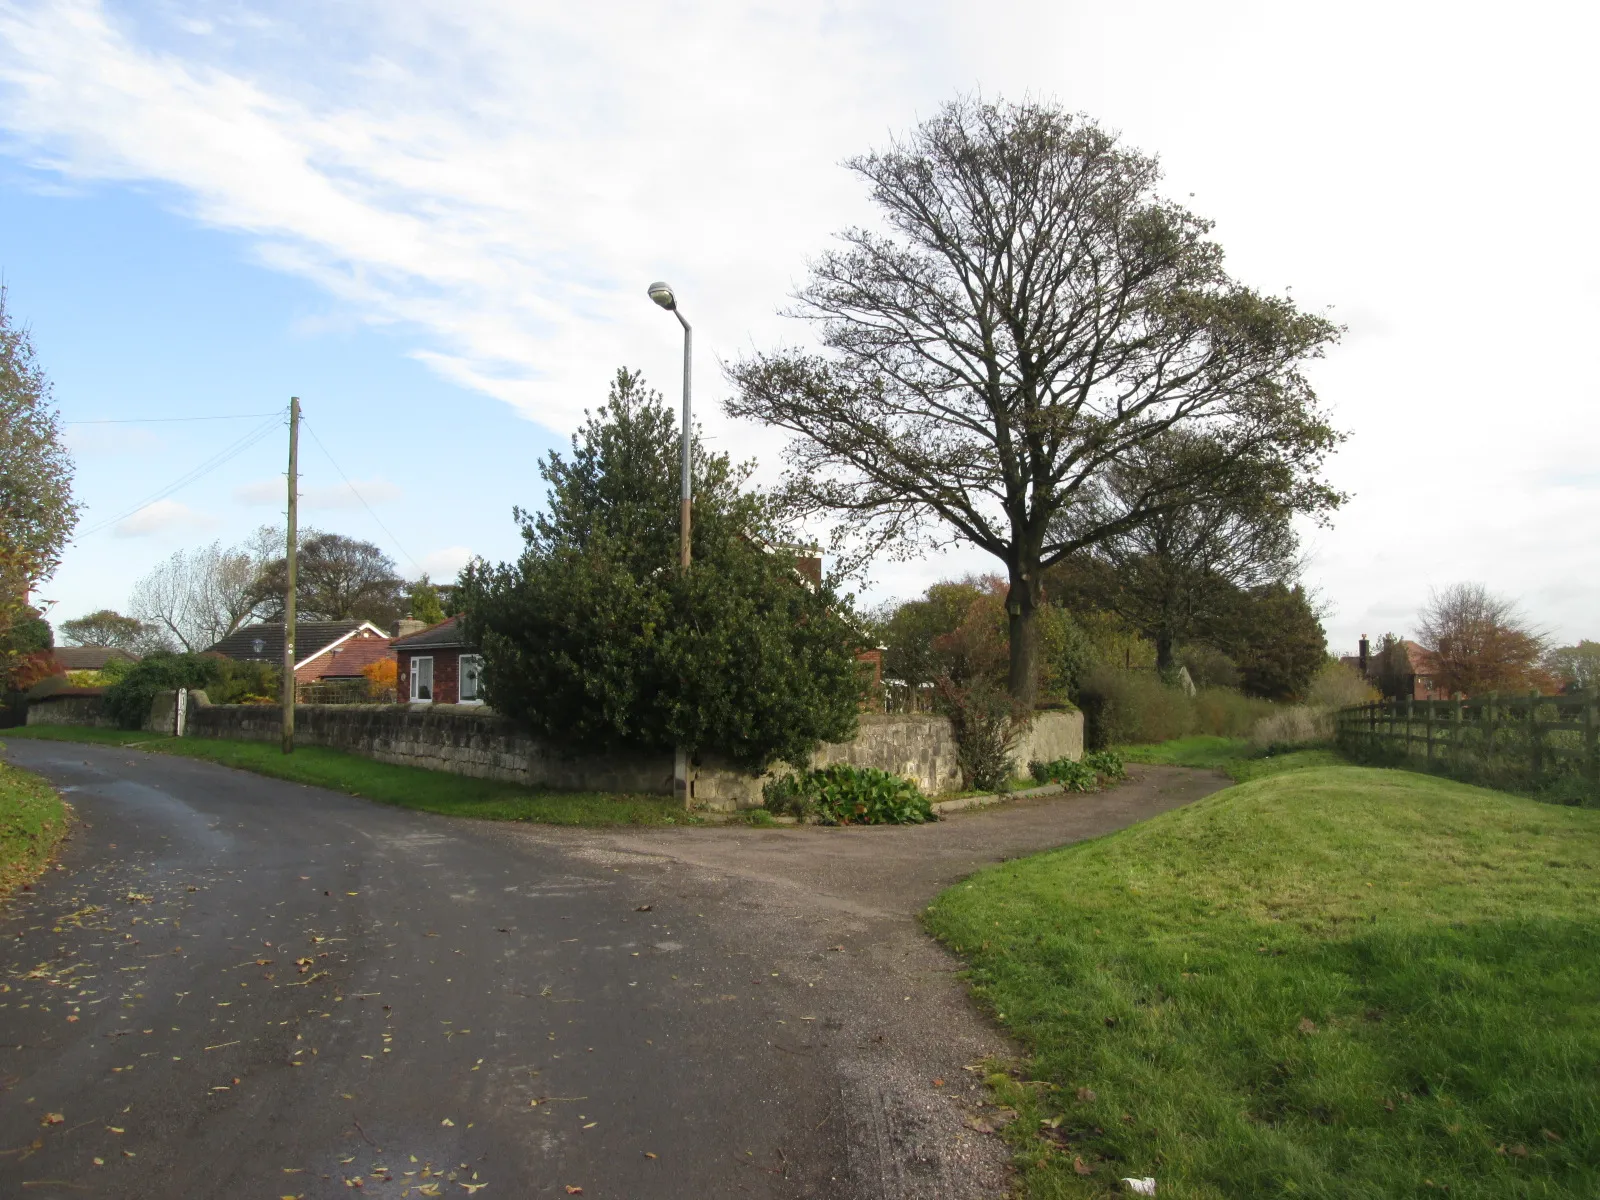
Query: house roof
{"type": "Point", "coordinates": [90, 658]}
{"type": "Point", "coordinates": [347, 656]}
{"type": "Point", "coordinates": [446, 634]}
{"type": "Point", "coordinates": [264, 642]}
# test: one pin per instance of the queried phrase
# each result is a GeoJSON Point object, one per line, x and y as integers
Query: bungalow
{"type": "Point", "coordinates": [324, 650]}
{"type": "Point", "coordinates": [439, 666]}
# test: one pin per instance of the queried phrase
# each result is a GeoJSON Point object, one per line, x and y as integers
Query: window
{"type": "Point", "coordinates": [471, 669]}
{"type": "Point", "coordinates": [422, 678]}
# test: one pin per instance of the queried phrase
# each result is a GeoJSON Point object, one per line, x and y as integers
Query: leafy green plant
{"type": "Point", "coordinates": [845, 795]}
{"type": "Point", "coordinates": [224, 680]}
{"type": "Point", "coordinates": [1084, 775]}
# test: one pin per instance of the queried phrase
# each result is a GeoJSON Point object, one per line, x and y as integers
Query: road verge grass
{"type": "Point", "coordinates": [388, 783]}
{"type": "Point", "coordinates": [33, 821]}
{"type": "Point", "coordinates": [1329, 982]}
{"type": "Point", "coordinates": [1234, 757]}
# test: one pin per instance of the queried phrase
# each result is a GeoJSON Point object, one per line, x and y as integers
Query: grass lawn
{"type": "Point", "coordinates": [33, 820]}
{"type": "Point", "coordinates": [1331, 982]}
{"type": "Point", "coordinates": [408, 787]}
{"type": "Point", "coordinates": [1234, 757]}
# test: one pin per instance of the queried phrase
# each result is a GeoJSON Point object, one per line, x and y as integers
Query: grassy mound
{"type": "Point", "coordinates": [1330, 982]}
{"type": "Point", "coordinates": [33, 820]}
{"type": "Point", "coordinates": [388, 783]}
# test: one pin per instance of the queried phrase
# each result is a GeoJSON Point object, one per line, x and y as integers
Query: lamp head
{"type": "Point", "coordinates": [661, 293]}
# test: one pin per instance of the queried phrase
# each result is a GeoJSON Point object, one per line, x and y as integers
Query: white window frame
{"type": "Point", "coordinates": [416, 661]}
{"type": "Point", "coordinates": [461, 674]}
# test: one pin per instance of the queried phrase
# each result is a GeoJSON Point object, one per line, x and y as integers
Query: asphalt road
{"type": "Point", "coordinates": [238, 987]}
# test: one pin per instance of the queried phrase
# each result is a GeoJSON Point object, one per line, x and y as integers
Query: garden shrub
{"type": "Point", "coordinates": [1085, 775]}
{"type": "Point", "coordinates": [1123, 707]}
{"type": "Point", "coordinates": [842, 794]}
{"type": "Point", "coordinates": [1223, 712]}
{"type": "Point", "coordinates": [983, 723]}
{"type": "Point", "coordinates": [224, 680]}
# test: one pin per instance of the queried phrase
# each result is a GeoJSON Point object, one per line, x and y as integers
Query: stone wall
{"type": "Point", "coordinates": [66, 709]}
{"type": "Point", "coordinates": [473, 740]}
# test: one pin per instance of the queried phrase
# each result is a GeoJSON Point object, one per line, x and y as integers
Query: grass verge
{"type": "Point", "coordinates": [1331, 982]}
{"type": "Point", "coordinates": [33, 820]}
{"type": "Point", "coordinates": [387, 783]}
{"type": "Point", "coordinates": [1234, 757]}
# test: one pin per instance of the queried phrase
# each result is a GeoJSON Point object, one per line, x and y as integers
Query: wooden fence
{"type": "Point", "coordinates": [1529, 743]}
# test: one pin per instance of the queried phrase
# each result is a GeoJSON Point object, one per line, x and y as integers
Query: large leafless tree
{"type": "Point", "coordinates": [1032, 315]}
{"type": "Point", "coordinates": [199, 596]}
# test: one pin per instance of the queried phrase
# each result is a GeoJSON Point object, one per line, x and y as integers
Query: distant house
{"type": "Point", "coordinates": [90, 658]}
{"type": "Point", "coordinates": [1417, 682]}
{"type": "Point", "coordinates": [439, 666]}
{"type": "Point", "coordinates": [324, 650]}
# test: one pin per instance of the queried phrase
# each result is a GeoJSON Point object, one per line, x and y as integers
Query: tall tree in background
{"type": "Point", "coordinates": [337, 578]}
{"type": "Point", "coordinates": [424, 603]}
{"type": "Point", "coordinates": [199, 596]}
{"type": "Point", "coordinates": [1576, 667]}
{"type": "Point", "coordinates": [1178, 572]}
{"type": "Point", "coordinates": [106, 627]}
{"type": "Point", "coordinates": [1482, 641]}
{"type": "Point", "coordinates": [1035, 314]}
{"type": "Point", "coordinates": [37, 511]}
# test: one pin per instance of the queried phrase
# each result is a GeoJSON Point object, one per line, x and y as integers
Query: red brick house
{"type": "Point", "coordinates": [324, 650]}
{"type": "Point", "coordinates": [1423, 666]}
{"type": "Point", "coordinates": [439, 666]}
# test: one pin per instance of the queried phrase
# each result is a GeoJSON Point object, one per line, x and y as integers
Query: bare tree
{"type": "Point", "coordinates": [1482, 641]}
{"type": "Point", "coordinates": [197, 597]}
{"type": "Point", "coordinates": [1035, 314]}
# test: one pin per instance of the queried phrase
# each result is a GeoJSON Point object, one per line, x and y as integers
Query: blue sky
{"type": "Point", "coordinates": [435, 221]}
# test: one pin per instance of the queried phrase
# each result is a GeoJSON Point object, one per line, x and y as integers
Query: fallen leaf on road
{"type": "Point", "coordinates": [447, 1121]}
{"type": "Point", "coordinates": [645, 908]}
{"type": "Point", "coordinates": [574, 1191]}
{"type": "Point", "coordinates": [938, 1083]}
{"type": "Point", "coordinates": [647, 1154]}
{"type": "Point", "coordinates": [52, 1119]}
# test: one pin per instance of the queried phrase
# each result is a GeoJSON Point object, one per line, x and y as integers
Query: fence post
{"type": "Point", "coordinates": [1535, 739]}
{"type": "Point", "coordinates": [1410, 713]}
{"type": "Point", "coordinates": [1591, 743]}
{"type": "Point", "coordinates": [1488, 715]}
{"type": "Point", "coordinates": [1428, 720]}
{"type": "Point", "coordinates": [1459, 723]}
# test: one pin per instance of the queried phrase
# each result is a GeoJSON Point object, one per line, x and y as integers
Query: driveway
{"type": "Point", "coordinates": [236, 986]}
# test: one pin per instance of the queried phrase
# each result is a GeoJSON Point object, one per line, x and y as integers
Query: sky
{"type": "Point", "coordinates": [435, 222]}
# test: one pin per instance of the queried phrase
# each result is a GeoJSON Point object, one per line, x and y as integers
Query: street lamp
{"type": "Point", "coordinates": [661, 293]}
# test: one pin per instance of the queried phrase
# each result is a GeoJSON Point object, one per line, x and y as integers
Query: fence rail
{"type": "Point", "coordinates": [1531, 743]}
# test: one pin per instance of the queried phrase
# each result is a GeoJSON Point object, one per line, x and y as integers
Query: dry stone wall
{"type": "Point", "coordinates": [473, 740]}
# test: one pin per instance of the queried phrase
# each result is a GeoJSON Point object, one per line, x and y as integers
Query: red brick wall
{"type": "Point", "coordinates": [366, 647]}
{"type": "Point", "coordinates": [446, 674]}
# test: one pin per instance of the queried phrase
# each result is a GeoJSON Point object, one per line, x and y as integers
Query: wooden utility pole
{"type": "Point", "coordinates": [288, 598]}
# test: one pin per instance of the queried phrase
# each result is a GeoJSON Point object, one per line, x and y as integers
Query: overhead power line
{"type": "Point", "coordinates": [325, 453]}
{"type": "Point", "coordinates": [165, 420]}
{"type": "Point", "coordinates": [198, 472]}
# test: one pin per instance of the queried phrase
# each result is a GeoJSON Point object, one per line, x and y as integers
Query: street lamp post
{"type": "Point", "coordinates": [661, 293]}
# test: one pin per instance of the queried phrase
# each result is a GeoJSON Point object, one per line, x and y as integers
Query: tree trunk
{"type": "Point", "coordinates": [1022, 606]}
{"type": "Point", "coordinates": [1164, 650]}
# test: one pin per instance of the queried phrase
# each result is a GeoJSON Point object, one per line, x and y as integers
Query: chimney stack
{"type": "Point", "coordinates": [1364, 649]}
{"type": "Point", "coordinates": [410, 625]}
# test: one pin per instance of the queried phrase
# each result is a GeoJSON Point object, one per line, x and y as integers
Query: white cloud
{"type": "Point", "coordinates": [164, 516]}
{"type": "Point", "coordinates": [498, 181]}
{"type": "Point", "coordinates": [442, 566]}
{"type": "Point", "coordinates": [271, 493]}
